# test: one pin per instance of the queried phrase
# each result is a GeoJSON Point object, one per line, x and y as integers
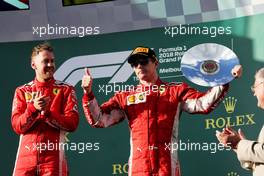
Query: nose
{"type": "Point", "coordinates": [50, 64]}
{"type": "Point", "coordinates": [139, 66]}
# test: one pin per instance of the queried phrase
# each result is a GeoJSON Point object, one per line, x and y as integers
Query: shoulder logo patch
{"type": "Point", "coordinates": [55, 91]}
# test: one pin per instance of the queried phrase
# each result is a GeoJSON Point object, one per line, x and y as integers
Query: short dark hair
{"type": "Point", "coordinates": [41, 47]}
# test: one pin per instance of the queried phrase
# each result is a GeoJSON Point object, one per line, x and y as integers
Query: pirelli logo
{"type": "Point", "coordinates": [141, 50]}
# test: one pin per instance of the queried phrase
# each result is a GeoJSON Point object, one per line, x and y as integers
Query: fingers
{"type": "Point", "coordinates": [87, 81]}
{"type": "Point", "coordinates": [87, 72]}
{"type": "Point", "coordinates": [241, 134]}
{"type": "Point", "coordinates": [234, 71]}
{"type": "Point", "coordinates": [229, 130]}
{"type": "Point", "coordinates": [218, 135]}
{"type": "Point", "coordinates": [221, 137]}
{"type": "Point", "coordinates": [41, 102]}
{"type": "Point", "coordinates": [234, 74]}
{"type": "Point", "coordinates": [36, 95]}
{"type": "Point", "coordinates": [217, 132]}
{"type": "Point", "coordinates": [237, 71]}
{"type": "Point", "coordinates": [46, 98]}
{"type": "Point", "coordinates": [228, 137]}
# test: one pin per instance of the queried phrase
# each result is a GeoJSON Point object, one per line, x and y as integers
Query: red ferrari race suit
{"type": "Point", "coordinates": [153, 116]}
{"type": "Point", "coordinates": [42, 135]}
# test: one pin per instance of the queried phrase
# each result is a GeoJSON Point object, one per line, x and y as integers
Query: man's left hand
{"type": "Point", "coordinates": [229, 137]}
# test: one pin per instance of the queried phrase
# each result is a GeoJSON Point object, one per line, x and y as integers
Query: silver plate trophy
{"type": "Point", "coordinates": [209, 64]}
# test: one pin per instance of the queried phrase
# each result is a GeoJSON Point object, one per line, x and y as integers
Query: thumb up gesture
{"type": "Point", "coordinates": [87, 81]}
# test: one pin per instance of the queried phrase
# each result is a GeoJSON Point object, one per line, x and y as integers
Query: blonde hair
{"type": "Point", "coordinates": [40, 47]}
{"type": "Point", "coordinates": [260, 74]}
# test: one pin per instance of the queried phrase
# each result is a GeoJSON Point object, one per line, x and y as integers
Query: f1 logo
{"type": "Point", "coordinates": [22, 4]}
{"type": "Point", "coordinates": [105, 65]}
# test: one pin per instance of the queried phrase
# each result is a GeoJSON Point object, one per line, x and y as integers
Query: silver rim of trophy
{"type": "Point", "coordinates": [209, 64]}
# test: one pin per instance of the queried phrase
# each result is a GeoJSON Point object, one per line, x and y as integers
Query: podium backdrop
{"type": "Point", "coordinates": [104, 152]}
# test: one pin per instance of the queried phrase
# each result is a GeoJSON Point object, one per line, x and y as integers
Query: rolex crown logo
{"type": "Point", "coordinates": [230, 104]}
{"type": "Point", "coordinates": [232, 174]}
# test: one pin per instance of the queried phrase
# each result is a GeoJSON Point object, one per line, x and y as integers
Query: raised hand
{"type": "Point", "coordinates": [87, 81]}
{"type": "Point", "coordinates": [241, 134]}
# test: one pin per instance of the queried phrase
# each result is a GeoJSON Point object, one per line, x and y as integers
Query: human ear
{"type": "Point", "coordinates": [33, 66]}
{"type": "Point", "coordinates": [156, 64]}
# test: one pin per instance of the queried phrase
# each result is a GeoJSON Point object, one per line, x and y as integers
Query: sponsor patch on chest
{"type": "Point", "coordinates": [137, 98]}
{"type": "Point", "coordinates": [29, 96]}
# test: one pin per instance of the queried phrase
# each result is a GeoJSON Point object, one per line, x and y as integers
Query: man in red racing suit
{"type": "Point", "coordinates": [43, 111]}
{"type": "Point", "coordinates": [152, 109]}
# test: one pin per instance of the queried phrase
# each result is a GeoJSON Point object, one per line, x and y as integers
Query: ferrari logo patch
{"type": "Point", "coordinates": [56, 91]}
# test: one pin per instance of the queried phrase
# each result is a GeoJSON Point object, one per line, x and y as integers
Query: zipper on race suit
{"type": "Point", "coordinates": [38, 167]}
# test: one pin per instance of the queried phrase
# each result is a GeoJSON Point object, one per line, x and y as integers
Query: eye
{"type": "Point", "coordinates": [45, 61]}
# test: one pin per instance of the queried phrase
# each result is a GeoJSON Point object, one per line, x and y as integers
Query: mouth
{"type": "Point", "coordinates": [142, 72]}
{"type": "Point", "coordinates": [49, 71]}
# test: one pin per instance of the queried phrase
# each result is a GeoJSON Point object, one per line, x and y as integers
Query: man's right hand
{"type": "Point", "coordinates": [41, 102]}
{"type": "Point", "coordinates": [87, 81]}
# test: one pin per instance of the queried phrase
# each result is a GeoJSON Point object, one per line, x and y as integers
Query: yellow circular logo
{"type": "Point", "coordinates": [162, 89]}
{"type": "Point", "coordinates": [132, 99]}
{"type": "Point", "coordinates": [28, 96]}
{"type": "Point", "coordinates": [141, 97]}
